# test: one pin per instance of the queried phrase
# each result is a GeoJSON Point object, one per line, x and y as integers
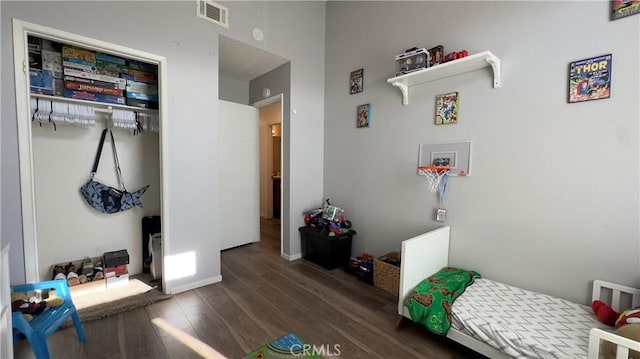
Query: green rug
{"type": "Point", "coordinates": [287, 346]}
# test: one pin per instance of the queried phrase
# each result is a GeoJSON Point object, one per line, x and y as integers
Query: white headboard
{"type": "Point", "coordinates": [422, 256]}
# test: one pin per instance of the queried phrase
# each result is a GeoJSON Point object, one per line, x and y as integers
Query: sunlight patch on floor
{"type": "Point", "coordinates": [194, 344]}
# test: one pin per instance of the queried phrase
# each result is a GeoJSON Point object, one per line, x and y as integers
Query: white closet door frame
{"type": "Point", "coordinates": [20, 52]}
{"type": "Point", "coordinates": [6, 331]}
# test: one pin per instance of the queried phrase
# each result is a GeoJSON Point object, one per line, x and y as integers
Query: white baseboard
{"type": "Point", "coordinates": [292, 257]}
{"type": "Point", "coordinates": [194, 285]}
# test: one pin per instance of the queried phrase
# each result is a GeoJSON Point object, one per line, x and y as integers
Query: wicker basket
{"type": "Point", "coordinates": [386, 276]}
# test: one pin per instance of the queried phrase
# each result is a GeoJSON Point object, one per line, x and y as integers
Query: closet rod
{"type": "Point", "coordinates": [96, 105]}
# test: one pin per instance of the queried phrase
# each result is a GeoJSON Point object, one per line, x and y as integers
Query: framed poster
{"type": "Point", "coordinates": [624, 8]}
{"type": "Point", "coordinates": [590, 79]}
{"type": "Point", "coordinates": [363, 115]}
{"type": "Point", "coordinates": [454, 154]}
{"type": "Point", "coordinates": [356, 81]}
{"type": "Point", "coordinates": [447, 108]}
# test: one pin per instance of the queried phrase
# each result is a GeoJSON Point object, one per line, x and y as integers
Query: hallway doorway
{"type": "Point", "coordinates": [270, 132]}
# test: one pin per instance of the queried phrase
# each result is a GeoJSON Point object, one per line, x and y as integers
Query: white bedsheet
{"type": "Point", "coordinates": [524, 324]}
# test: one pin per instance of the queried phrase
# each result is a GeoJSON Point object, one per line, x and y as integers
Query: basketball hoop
{"type": "Point", "coordinates": [434, 176]}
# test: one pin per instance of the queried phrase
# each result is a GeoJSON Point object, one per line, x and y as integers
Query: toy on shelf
{"type": "Point", "coordinates": [456, 55]}
{"type": "Point", "coordinates": [412, 59]}
{"type": "Point", "coordinates": [436, 55]}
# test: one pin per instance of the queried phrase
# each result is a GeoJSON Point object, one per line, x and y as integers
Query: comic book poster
{"type": "Point", "coordinates": [590, 79]}
{"type": "Point", "coordinates": [624, 8]}
{"type": "Point", "coordinates": [363, 116]}
{"type": "Point", "coordinates": [447, 108]}
{"type": "Point", "coordinates": [355, 81]}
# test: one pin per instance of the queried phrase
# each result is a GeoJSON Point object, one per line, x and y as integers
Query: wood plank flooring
{"type": "Point", "coordinates": [261, 297]}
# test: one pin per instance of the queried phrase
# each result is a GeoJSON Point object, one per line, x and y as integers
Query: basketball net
{"type": "Point", "coordinates": [436, 177]}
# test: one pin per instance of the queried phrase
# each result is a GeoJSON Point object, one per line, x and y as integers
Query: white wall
{"type": "Point", "coordinates": [190, 46]}
{"type": "Point", "coordinates": [68, 228]}
{"type": "Point", "coordinates": [553, 199]}
{"type": "Point", "coordinates": [233, 90]}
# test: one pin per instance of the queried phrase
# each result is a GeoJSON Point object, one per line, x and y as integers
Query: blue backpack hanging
{"type": "Point", "coordinates": [107, 199]}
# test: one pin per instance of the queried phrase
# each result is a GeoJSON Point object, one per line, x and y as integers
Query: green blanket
{"type": "Point", "coordinates": [430, 302]}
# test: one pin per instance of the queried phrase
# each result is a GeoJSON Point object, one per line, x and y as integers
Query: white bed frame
{"type": "Point", "coordinates": [425, 254]}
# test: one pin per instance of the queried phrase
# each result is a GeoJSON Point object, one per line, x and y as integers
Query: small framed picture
{"type": "Point", "coordinates": [624, 8]}
{"type": "Point", "coordinates": [447, 108]}
{"type": "Point", "coordinates": [590, 79]}
{"type": "Point", "coordinates": [363, 116]}
{"type": "Point", "coordinates": [356, 81]}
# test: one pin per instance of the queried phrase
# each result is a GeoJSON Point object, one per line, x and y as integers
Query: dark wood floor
{"type": "Point", "coordinates": [261, 298]}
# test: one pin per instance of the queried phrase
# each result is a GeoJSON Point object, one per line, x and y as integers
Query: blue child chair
{"type": "Point", "coordinates": [46, 323]}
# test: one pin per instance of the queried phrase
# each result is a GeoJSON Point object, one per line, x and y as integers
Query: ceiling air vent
{"type": "Point", "coordinates": [211, 11]}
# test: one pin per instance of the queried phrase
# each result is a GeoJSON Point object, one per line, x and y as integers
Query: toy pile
{"type": "Point", "coordinates": [329, 220]}
{"type": "Point", "coordinates": [362, 267]}
{"type": "Point", "coordinates": [30, 306]}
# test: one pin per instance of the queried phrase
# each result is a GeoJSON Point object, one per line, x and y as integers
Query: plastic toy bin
{"type": "Point", "coordinates": [328, 251]}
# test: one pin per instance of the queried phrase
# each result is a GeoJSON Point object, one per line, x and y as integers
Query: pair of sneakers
{"type": "Point", "coordinates": [67, 272]}
{"type": "Point", "coordinates": [87, 272]}
{"type": "Point", "coordinates": [98, 270]}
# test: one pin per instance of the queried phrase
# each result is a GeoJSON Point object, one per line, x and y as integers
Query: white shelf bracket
{"type": "Point", "coordinates": [495, 66]}
{"type": "Point", "coordinates": [405, 92]}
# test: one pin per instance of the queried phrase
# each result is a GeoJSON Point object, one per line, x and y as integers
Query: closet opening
{"type": "Point", "coordinates": [68, 90]}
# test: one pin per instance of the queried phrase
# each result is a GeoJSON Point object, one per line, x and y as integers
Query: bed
{"type": "Point", "coordinates": [428, 253]}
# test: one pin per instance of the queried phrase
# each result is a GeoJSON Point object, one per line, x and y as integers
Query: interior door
{"type": "Point", "coordinates": [239, 174]}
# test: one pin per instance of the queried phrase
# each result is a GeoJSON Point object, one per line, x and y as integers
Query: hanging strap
{"type": "Point", "coordinates": [96, 162]}
{"type": "Point", "coordinates": [115, 158]}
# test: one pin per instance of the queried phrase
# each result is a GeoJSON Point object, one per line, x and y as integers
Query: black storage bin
{"type": "Point", "coordinates": [328, 251]}
{"type": "Point", "coordinates": [150, 225]}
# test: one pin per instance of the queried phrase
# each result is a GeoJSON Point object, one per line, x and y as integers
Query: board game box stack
{"type": "Point", "coordinates": [74, 72]}
{"type": "Point", "coordinates": [142, 85]}
{"type": "Point", "coordinates": [45, 67]}
{"type": "Point", "coordinates": [89, 77]}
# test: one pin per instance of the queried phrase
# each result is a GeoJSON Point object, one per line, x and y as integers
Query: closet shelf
{"type": "Point", "coordinates": [100, 106]}
{"type": "Point", "coordinates": [447, 69]}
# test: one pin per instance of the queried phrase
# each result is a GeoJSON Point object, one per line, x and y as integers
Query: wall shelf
{"type": "Point", "coordinates": [100, 106]}
{"type": "Point", "coordinates": [447, 69]}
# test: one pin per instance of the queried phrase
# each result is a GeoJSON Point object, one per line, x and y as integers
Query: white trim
{"type": "Point", "coordinates": [291, 258]}
{"type": "Point", "coordinates": [194, 285]}
{"type": "Point", "coordinates": [6, 340]}
{"type": "Point", "coordinates": [20, 31]}
{"type": "Point", "coordinates": [268, 100]}
{"type": "Point", "coordinates": [24, 151]}
{"type": "Point", "coordinates": [164, 168]}
{"type": "Point", "coordinates": [259, 104]}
